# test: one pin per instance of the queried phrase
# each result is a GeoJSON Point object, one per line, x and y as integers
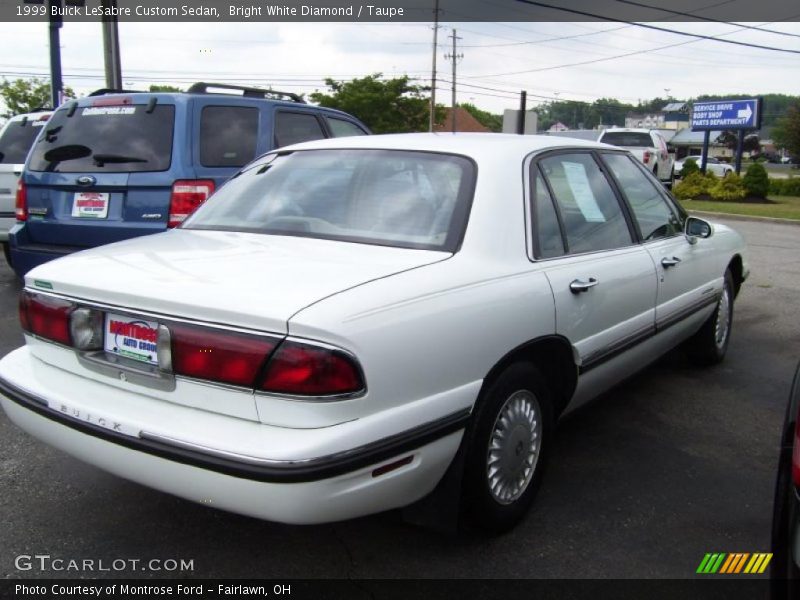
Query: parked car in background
{"type": "Point", "coordinates": [113, 166]}
{"type": "Point", "coordinates": [785, 571]}
{"type": "Point", "coordinates": [713, 165]}
{"type": "Point", "coordinates": [345, 317]}
{"type": "Point", "coordinates": [648, 146]}
{"type": "Point", "coordinates": [16, 138]}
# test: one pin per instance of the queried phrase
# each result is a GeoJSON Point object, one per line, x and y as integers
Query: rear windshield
{"type": "Point", "coordinates": [384, 197]}
{"type": "Point", "coordinates": [17, 138]}
{"type": "Point", "coordinates": [627, 138]}
{"type": "Point", "coordinates": [106, 138]}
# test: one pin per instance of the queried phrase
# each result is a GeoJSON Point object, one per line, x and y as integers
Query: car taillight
{"type": "Point", "coordinates": [646, 157]}
{"type": "Point", "coordinates": [21, 205]}
{"type": "Point", "coordinates": [222, 356]}
{"type": "Point", "coordinates": [306, 370]}
{"type": "Point", "coordinates": [46, 316]}
{"type": "Point", "coordinates": [187, 195]}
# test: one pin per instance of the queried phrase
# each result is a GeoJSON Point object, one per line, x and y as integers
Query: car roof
{"type": "Point", "coordinates": [469, 144]}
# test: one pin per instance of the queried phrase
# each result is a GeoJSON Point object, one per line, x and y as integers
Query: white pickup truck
{"type": "Point", "coordinates": [648, 145]}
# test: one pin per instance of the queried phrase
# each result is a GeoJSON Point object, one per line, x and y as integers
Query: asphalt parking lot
{"type": "Point", "coordinates": [675, 463]}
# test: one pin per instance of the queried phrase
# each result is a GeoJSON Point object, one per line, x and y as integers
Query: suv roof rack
{"type": "Point", "coordinates": [201, 87]}
{"type": "Point", "coordinates": [104, 91]}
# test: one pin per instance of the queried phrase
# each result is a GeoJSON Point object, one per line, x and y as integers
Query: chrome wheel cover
{"type": "Point", "coordinates": [514, 444]}
{"type": "Point", "coordinates": [723, 324]}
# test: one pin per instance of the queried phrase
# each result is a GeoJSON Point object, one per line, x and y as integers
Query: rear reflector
{"type": "Point", "coordinates": [306, 370]}
{"type": "Point", "coordinates": [21, 204]}
{"type": "Point", "coordinates": [392, 466]}
{"type": "Point", "coordinates": [46, 316]}
{"type": "Point", "coordinates": [222, 356]}
{"type": "Point", "coordinates": [187, 195]}
{"type": "Point", "coordinates": [646, 158]}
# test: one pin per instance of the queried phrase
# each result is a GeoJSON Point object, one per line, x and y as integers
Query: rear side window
{"type": "Point", "coordinates": [628, 139]}
{"type": "Point", "coordinates": [293, 128]}
{"type": "Point", "coordinates": [592, 216]}
{"type": "Point", "coordinates": [548, 231]}
{"type": "Point", "coordinates": [228, 135]}
{"type": "Point", "coordinates": [17, 138]}
{"type": "Point", "coordinates": [342, 128]}
{"type": "Point", "coordinates": [106, 139]}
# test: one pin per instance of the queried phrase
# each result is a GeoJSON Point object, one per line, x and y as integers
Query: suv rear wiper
{"type": "Point", "coordinates": [101, 159]}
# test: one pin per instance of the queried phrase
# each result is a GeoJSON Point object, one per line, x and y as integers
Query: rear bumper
{"type": "Point", "coordinates": [306, 489]}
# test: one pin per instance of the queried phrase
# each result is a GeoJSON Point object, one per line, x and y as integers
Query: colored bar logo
{"type": "Point", "coordinates": [734, 563]}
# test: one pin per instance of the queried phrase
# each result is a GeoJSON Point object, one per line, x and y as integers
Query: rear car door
{"type": "Point", "coordinates": [603, 282]}
{"type": "Point", "coordinates": [103, 171]}
{"type": "Point", "coordinates": [687, 273]}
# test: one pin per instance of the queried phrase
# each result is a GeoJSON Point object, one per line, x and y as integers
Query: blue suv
{"type": "Point", "coordinates": [116, 165]}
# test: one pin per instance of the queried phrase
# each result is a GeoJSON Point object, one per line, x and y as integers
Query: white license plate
{"type": "Point", "coordinates": [131, 338]}
{"type": "Point", "coordinates": [90, 205]}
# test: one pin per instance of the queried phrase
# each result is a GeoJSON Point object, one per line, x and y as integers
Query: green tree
{"type": "Point", "coordinates": [756, 181]}
{"type": "Point", "coordinates": [25, 95]}
{"type": "Point", "coordinates": [487, 119]}
{"type": "Point", "coordinates": [164, 88]}
{"type": "Point", "coordinates": [786, 133]}
{"type": "Point", "coordinates": [385, 106]}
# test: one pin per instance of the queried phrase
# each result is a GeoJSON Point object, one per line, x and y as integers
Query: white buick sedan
{"type": "Point", "coordinates": [356, 324]}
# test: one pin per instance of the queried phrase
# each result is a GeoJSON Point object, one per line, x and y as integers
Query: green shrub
{"type": "Point", "coordinates": [692, 186]}
{"type": "Point", "coordinates": [728, 189]}
{"type": "Point", "coordinates": [689, 167]}
{"type": "Point", "coordinates": [756, 181]}
{"type": "Point", "coordinates": [785, 187]}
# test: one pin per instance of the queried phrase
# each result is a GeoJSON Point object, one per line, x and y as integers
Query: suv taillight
{"type": "Point", "coordinates": [646, 157]}
{"type": "Point", "coordinates": [187, 195]}
{"type": "Point", "coordinates": [309, 370]}
{"type": "Point", "coordinates": [21, 203]}
{"type": "Point", "coordinates": [46, 316]}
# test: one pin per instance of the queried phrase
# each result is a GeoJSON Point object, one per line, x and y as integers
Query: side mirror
{"type": "Point", "coordinates": [697, 228]}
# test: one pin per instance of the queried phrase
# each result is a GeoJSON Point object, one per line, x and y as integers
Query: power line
{"type": "Point", "coordinates": [657, 28]}
{"type": "Point", "coordinates": [702, 18]}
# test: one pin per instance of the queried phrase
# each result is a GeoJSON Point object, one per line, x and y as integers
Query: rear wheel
{"type": "Point", "coordinates": [507, 448]}
{"type": "Point", "coordinates": [709, 345]}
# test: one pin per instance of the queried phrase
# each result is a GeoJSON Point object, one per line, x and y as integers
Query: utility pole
{"type": "Point", "coordinates": [454, 57]}
{"type": "Point", "coordinates": [433, 70]}
{"type": "Point", "coordinates": [111, 46]}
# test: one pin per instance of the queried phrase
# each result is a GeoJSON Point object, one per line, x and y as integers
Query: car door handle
{"type": "Point", "coordinates": [667, 262]}
{"type": "Point", "coordinates": [578, 286]}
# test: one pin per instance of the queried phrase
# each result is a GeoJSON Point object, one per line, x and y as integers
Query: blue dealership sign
{"type": "Point", "coordinates": [726, 114]}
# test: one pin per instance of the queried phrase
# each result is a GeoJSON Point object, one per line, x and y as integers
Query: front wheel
{"type": "Point", "coordinates": [507, 448]}
{"type": "Point", "coordinates": [709, 345]}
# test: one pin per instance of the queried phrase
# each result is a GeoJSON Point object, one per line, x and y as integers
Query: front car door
{"type": "Point", "coordinates": [688, 277]}
{"type": "Point", "coordinates": [603, 281]}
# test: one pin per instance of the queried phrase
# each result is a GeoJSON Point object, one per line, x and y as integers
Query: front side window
{"type": "Point", "coordinates": [391, 198]}
{"type": "Point", "coordinates": [293, 128]}
{"type": "Point", "coordinates": [650, 209]}
{"type": "Point", "coordinates": [126, 138]}
{"type": "Point", "coordinates": [228, 135]}
{"type": "Point", "coordinates": [592, 217]}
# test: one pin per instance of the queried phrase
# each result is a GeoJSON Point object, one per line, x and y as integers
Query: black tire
{"type": "Point", "coordinates": [521, 391]}
{"type": "Point", "coordinates": [709, 345]}
{"type": "Point", "coordinates": [7, 253]}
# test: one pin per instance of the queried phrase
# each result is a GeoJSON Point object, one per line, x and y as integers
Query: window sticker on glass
{"type": "Point", "coordinates": [582, 192]}
{"type": "Point", "coordinates": [108, 110]}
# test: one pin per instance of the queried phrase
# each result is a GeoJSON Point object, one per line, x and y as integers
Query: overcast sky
{"type": "Point", "coordinates": [504, 57]}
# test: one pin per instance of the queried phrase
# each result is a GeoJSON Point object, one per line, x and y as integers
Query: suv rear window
{"type": "Point", "coordinates": [228, 135]}
{"type": "Point", "coordinates": [17, 139]}
{"type": "Point", "coordinates": [627, 139]}
{"type": "Point", "coordinates": [106, 138]}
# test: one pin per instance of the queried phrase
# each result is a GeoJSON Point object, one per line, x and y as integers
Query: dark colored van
{"type": "Point", "coordinates": [115, 165]}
